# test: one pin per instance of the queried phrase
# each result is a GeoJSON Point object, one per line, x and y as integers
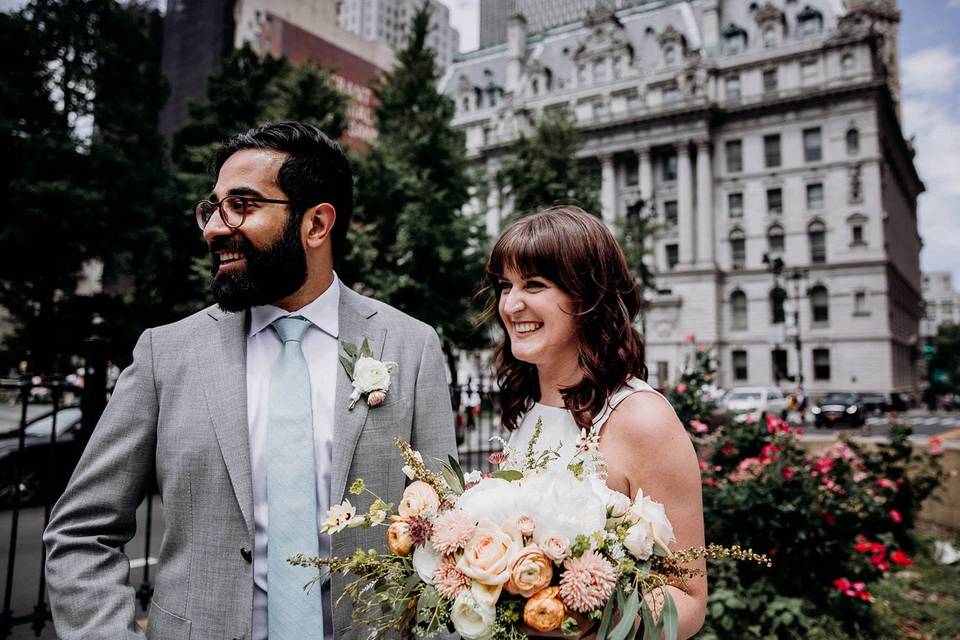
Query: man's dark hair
{"type": "Point", "coordinates": [316, 169]}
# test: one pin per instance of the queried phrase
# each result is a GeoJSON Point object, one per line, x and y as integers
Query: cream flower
{"type": "Point", "coordinates": [486, 594]}
{"type": "Point", "coordinates": [562, 506]}
{"type": "Point", "coordinates": [472, 619]}
{"type": "Point", "coordinates": [532, 571]}
{"type": "Point", "coordinates": [491, 499]}
{"type": "Point", "coordinates": [646, 512]}
{"type": "Point", "coordinates": [425, 562]}
{"type": "Point", "coordinates": [339, 517]}
{"type": "Point", "coordinates": [417, 498]}
{"type": "Point", "coordinates": [490, 553]}
{"type": "Point", "coordinates": [555, 547]}
{"type": "Point", "coordinates": [372, 375]}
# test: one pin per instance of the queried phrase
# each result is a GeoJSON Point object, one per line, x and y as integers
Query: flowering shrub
{"type": "Point", "coordinates": [833, 522]}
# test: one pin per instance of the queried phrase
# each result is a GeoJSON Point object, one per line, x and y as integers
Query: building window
{"type": "Point", "coordinates": [739, 364]}
{"type": "Point", "coordinates": [770, 37]}
{"type": "Point", "coordinates": [810, 21]}
{"type": "Point", "coordinates": [673, 256]}
{"type": "Point", "coordinates": [856, 235]}
{"type": "Point", "coordinates": [853, 141]}
{"type": "Point", "coordinates": [860, 303]}
{"type": "Point", "coordinates": [663, 369]}
{"type": "Point", "coordinates": [732, 87]}
{"type": "Point", "coordinates": [821, 364]}
{"type": "Point", "coordinates": [734, 40]}
{"type": "Point", "coordinates": [817, 235]}
{"type": "Point", "coordinates": [671, 94]}
{"type": "Point", "coordinates": [670, 212]}
{"type": "Point", "coordinates": [771, 150]}
{"type": "Point", "coordinates": [812, 145]}
{"type": "Point", "coordinates": [669, 55]}
{"type": "Point", "coordinates": [847, 62]}
{"type": "Point", "coordinates": [815, 195]}
{"type": "Point", "coordinates": [775, 201]}
{"type": "Point", "coordinates": [808, 69]}
{"type": "Point", "coordinates": [735, 204]}
{"type": "Point", "coordinates": [778, 364]}
{"type": "Point", "coordinates": [599, 71]}
{"type": "Point", "coordinates": [631, 171]}
{"type": "Point", "coordinates": [738, 249]}
{"type": "Point", "coordinates": [669, 167]}
{"type": "Point", "coordinates": [738, 304]}
{"type": "Point", "coordinates": [777, 298]}
{"type": "Point", "coordinates": [819, 304]}
{"type": "Point", "coordinates": [769, 80]}
{"type": "Point", "coordinates": [775, 241]}
{"type": "Point", "coordinates": [734, 150]}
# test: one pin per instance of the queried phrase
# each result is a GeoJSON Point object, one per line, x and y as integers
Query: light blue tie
{"type": "Point", "coordinates": [291, 491]}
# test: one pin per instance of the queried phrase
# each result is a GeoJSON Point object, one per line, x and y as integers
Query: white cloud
{"type": "Point", "coordinates": [931, 113]}
{"type": "Point", "coordinates": [934, 69]}
{"type": "Point", "coordinates": [954, 4]}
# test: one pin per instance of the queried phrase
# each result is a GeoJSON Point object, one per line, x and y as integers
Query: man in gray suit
{"type": "Point", "coordinates": [199, 411]}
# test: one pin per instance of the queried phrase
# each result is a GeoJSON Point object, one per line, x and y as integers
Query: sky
{"type": "Point", "coordinates": [930, 77]}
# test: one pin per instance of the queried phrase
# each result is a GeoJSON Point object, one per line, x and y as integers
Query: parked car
{"type": "Point", "coordinates": [758, 402]}
{"type": "Point", "coordinates": [41, 465]}
{"type": "Point", "coordinates": [838, 409]}
{"type": "Point", "coordinates": [881, 402]}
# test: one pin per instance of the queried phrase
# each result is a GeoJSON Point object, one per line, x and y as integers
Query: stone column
{"type": "Point", "coordinates": [706, 237]}
{"type": "Point", "coordinates": [608, 189]}
{"type": "Point", "coordinates": [685, 222]}
{"type": "Point", "coordinates": [646, 175]}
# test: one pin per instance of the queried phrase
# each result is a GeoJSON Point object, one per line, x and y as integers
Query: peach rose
{"type": "Point", "coordinates": [417, 498]}
{"type": "Point", "coordinates": [545, 612]}
{"type": "Point", "coordinates": [532, 571]}
{"type": "Point", "coordinates": [490, 553]}
{"type": "Point", "coordinates": [555, 547]}
{"type": "Point", "coordinates": [398, 538]}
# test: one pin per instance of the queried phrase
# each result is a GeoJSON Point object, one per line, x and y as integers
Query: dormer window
{"type": "Point", "coordinates": [734, 40]}
{"type": "Point", "coordinates": [810, 22]}
{"type": "Point", "coordinates": [771, 23]}
{"type": "Point", "coordinates": [670, 55]}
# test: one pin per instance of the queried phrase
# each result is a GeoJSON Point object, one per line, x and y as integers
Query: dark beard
{"type": "Point", "coordinates": [269, 275]}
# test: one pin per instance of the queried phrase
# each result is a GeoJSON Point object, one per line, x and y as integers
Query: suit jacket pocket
{"type": "Point", "coordinates": [164, 625]}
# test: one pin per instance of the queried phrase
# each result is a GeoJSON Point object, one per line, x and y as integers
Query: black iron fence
{"type": "Point", "coordinates": [53, 420]}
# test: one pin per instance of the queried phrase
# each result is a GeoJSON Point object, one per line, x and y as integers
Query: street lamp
{"type": "Point", "coordinates": [796, 276]}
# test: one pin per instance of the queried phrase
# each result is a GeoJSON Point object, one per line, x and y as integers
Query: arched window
{"type": "Point", "coordinates": [810, 21]}
{"type": "Point", "coordinates": [669, 55]}
{"type": "Point", "coordinates": [819, 303]}
{"type": "Point", "coordinates": [817, 236]}
{"type": "Point", "coordinates": [738, 305]}
{"type": "Point", "coordinates": [775, 242]}
{"type": "Point", "coordinates": [738, 248]}
{"type": "Point", "coordinates": [734, 40]}
{"type": "Point", "coordinates": [777, 297]}
{"type": "Point", "coordinates": [853, 141]}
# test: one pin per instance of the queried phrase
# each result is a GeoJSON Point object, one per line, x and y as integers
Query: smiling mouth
{"type": "Point", "coordinates": [230, 257]}
{"type": "Point", "coordinates": [526, 328]}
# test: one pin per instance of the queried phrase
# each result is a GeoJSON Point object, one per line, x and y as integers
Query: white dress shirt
{"type": "Point", "coordinates": [320, 348]}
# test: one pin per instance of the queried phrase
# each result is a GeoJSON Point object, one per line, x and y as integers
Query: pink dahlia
{"type": "Point", "coordinates": [587, 582]}
{"type": "Point", "coordinates": [448, 580]}
{"type": "Point", "coordinates": [451, 531]}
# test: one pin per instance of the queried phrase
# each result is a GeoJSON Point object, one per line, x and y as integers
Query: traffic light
{"type": "Point", "coordinates": [928, 352]}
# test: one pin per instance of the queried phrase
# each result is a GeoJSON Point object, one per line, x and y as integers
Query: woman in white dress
{"type": "Point", "coordinates": [566, 301]}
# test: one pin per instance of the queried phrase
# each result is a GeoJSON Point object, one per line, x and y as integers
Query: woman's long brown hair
{"type": "Point", "coordinates": [577, 252]}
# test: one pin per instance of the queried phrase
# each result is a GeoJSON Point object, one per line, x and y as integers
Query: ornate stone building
{"type": "Point", "coordinates": [765, 137]}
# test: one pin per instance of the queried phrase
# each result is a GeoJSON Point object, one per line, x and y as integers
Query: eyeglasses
{"type": "Point", "coordinates": [233, 210]}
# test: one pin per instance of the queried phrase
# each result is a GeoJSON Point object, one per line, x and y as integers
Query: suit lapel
{"type": "Point", "coordinates": [356, 318]}
{"type": "Point", "coordinates": [222, 356]}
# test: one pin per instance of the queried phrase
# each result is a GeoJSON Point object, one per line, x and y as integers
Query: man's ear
{"type": "Point", "coordinates": [319, 221]}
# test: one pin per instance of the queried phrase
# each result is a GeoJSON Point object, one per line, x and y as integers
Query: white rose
{"type": "Point", "coordinates": [372, 375]}
{"type": "Point", "coordinates": [486, 594]}
{"type": "Point", "coordinates": [491, 499]}
{"type": "Point", "coordinates": [562, 506]}
{"type": "Point", "coordinates": [473, 476]}
{"type": "Point", "coordinates": [639, 542]}
{"type": "Point", "coordinates": [617, 504]}
{"type": "Point", "coordinates": [652, 515]}
{"type": "Point", "coordinates": [425, 562]}
{"type": "Point", "coordinates": [472, 619]}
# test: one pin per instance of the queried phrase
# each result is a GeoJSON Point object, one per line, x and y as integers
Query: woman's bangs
{"type": "Point", "coordinates": [528, 251]}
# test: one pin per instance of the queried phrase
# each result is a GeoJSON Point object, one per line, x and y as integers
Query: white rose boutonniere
{"type": "Point", "coordinates": [370, 377]}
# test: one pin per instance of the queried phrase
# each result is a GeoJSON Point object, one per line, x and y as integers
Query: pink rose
{"type": "Point", "coordinates": [526, 525]}
{"type": "Point", "coordinates": [490, 554]}
{"type": "Point", "coordinates": [555, 547]}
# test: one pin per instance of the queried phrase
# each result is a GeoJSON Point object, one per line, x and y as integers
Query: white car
{"type": "Point", "coordinates": [756, 401]}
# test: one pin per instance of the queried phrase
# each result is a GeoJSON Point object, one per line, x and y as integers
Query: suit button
{"type": "Point", "coordinates": [246, 554]}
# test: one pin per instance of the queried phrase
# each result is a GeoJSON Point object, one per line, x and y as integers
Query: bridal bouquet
{"type": "Point", "coordinates": [534, 547]}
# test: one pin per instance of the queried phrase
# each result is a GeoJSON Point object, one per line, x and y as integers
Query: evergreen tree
{"type": "Point", "coordinates": [414, 246]}
{"type": "Point", "coordinates": [544, 170]}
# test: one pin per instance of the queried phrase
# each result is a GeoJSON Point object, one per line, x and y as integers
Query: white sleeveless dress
{"type": "Point", "coordinates": [560, 430]}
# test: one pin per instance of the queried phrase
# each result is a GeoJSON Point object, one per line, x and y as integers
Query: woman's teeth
{"type": "Point", "coordinates": [526, 327]}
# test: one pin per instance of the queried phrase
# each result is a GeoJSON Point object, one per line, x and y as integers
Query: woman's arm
{"type": "Point", "coordinates": [647, 448]}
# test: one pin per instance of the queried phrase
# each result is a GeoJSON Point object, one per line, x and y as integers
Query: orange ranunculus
{"type": "Point", "coordinates": [532, 571]}
{"type": "Point", "coordinates": [545, 612]}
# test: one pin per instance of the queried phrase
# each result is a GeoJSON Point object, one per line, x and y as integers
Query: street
{"type": "Point", "coordinates": [924, 423]}
{"type": "Point", "coordinates": [29, 547]}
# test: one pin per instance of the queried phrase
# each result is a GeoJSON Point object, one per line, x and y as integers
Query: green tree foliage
{"type": "Point", "coordinates": [543, 169]}
{"type": "Point", "coordinates": [413, 244]}
{"type": "Point", "coordinates": [945, 362]}
{"type": "Point", "coordinates": [245, 91]}
{"type": "Point", "coordinates": [81, 90]}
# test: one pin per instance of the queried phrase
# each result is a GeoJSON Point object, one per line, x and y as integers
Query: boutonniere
{"type": "Point", "coordinates": [369, 376]}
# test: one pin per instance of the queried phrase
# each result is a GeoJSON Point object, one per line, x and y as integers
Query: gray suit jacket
{"type": "Point", "coordinates": [178, 415]}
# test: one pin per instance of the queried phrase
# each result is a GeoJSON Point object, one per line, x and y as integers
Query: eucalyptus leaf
{"type": "Point", "coordinates": [607, 617]}
{"type": "Point", "coordinates": [365, 349]}
{"type": "Point", "coordinates": [455, 467]}
{"type": "Point", "coordinates": [510, 475]}
{"type": "Point", "coordinates": [350, 349]}
{"type": "Point", "coordinates": [669, 617]}
{"type": "Point", "coordinates": [450, 478]}
{"type": "Point", "coordinates": [628, 617]}
{"type": "Point", "coordinates": [347, 366]}
{"type": "Point", "coordinates": [648, 622]}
